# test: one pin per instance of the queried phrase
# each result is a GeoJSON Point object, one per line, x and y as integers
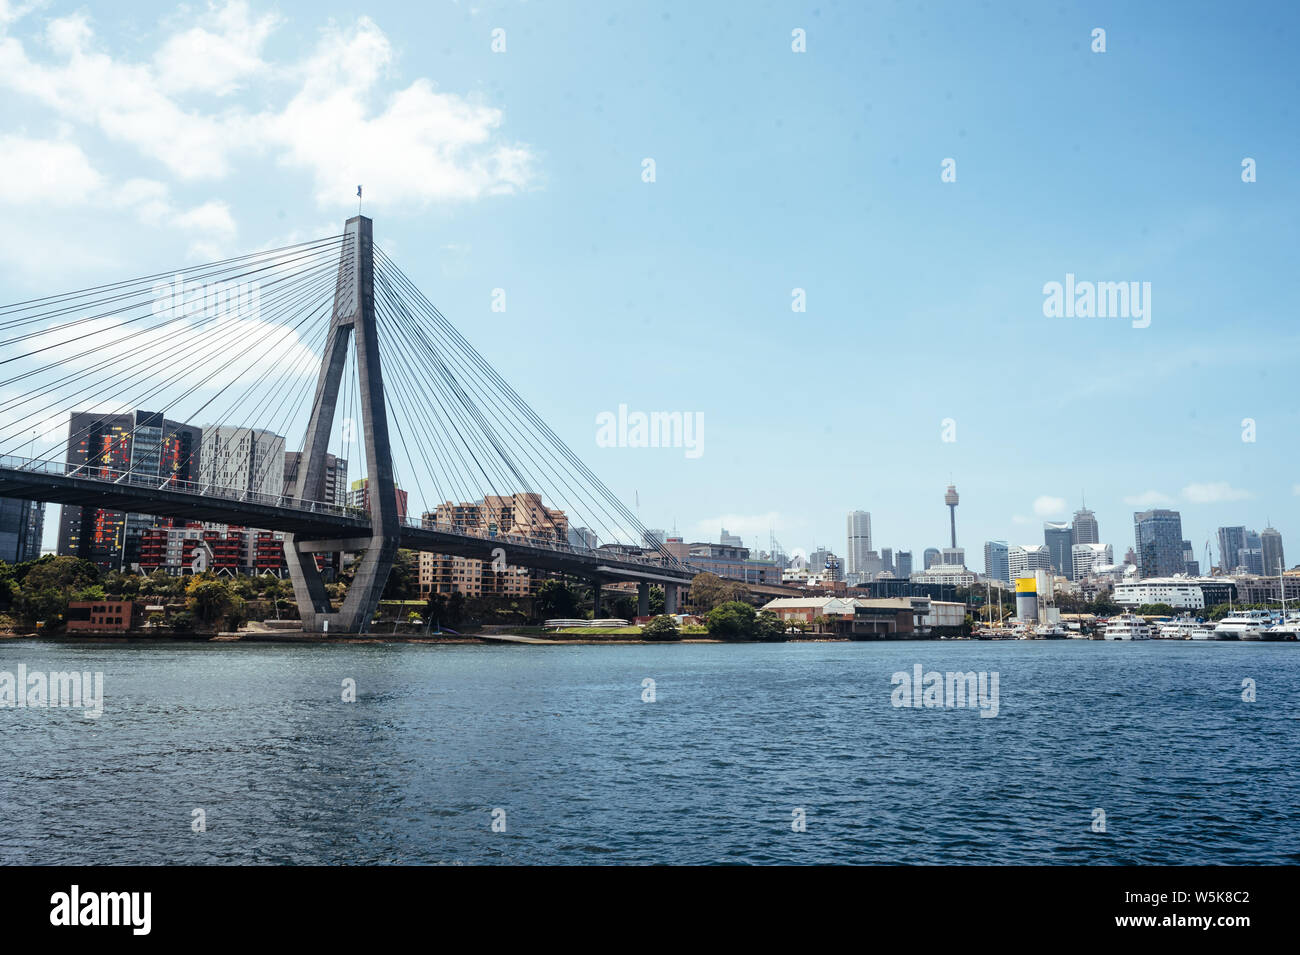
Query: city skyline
{"type": "Point", "coordinates": [228, 437]}
{"type": "Point", "coordinates": [551, 209]}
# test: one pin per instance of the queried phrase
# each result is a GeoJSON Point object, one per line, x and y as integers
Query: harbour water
{"type": "Point", "coordinates": [736, 740]}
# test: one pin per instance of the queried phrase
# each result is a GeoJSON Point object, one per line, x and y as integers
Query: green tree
{"type": "Point", "coordinates": [709, 591]}
{"type": "Point", "coordinates": [733, 620]}
{"type": "Point", "coordinates": [768, 626]}
{"type": "Point", "coordinates": [210, 600]}
{"type": "Point", "coordinates": [455, 612]}
{"type": "Point", "coordinates": [404, 579]}
{"type": "Point", "coordinates": [555, 599]}
{"type": "Point", "coordinates": [623, 606]}
{"type": "Point", "coordinates": [46, 585]}
{"type": "Point", "coordinates": [662, 627]}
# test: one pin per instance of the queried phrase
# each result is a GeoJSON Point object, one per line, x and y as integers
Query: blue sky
{"type": "Point", "coordinates": [135, 140]}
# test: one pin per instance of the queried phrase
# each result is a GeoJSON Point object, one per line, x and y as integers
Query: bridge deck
{"type": "Point", "coordinates": [306, 520]}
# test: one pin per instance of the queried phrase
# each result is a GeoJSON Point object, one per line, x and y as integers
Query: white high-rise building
{"type": "Point", "coordinates": [858, 552]}
{"type": "Point", "coordinates": [1024, 559]}
{"type": "Point", "coordinates": [246, 459]}
{"type": "Point", "coordinates": [1086, 556]}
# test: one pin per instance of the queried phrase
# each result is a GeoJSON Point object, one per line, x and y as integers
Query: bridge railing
{"type": "Point", "coordinates": [239, 495]}
{"type": "Point", "coordinates": [116, 476]}
{"type": "Point", "coordinates": [544, 543]}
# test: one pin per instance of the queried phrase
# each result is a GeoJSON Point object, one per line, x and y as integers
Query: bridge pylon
{"type": "Point", "coordinates": [354, 312]}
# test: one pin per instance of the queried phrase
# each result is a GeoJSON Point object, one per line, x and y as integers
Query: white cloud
{"type": "Point", "coordinates": [424, 146]}
{"type": "Point", "coordinates": [1149, 499]}
{"type": "Point", "coordinates": [418, 146]}
{"type": "Point", "coordinates": [1215, 492]}
{"type": "Point", "coordinates": [1047, 506]}
{"type": "Point", "coordinates": [219, 56]}
{"type": "Point", "coordinates": [123, 100]}
{"type": "Point", "coordinates": [45, 171]}
{"type": "Point", "coordinates": [211, 217]}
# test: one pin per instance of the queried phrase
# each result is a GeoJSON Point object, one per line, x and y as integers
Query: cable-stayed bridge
{"type": "Point", "coordinates": [234, 347]}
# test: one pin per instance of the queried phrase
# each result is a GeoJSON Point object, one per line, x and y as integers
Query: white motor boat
{"type": "Point", "coordinates": [1243, 625]}
{"type": "Point", "coordinates": [1051, 631]}
{"type": "Point", "coordinates": [1127, 626]}
{"type": "Point", "coordinates": [1184, 628]}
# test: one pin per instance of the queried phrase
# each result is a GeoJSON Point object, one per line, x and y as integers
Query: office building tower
{"type": "Point", "coordinates": [1084, 557]}
{"type": "Point", "coordinates": [903, 564]}
{"type": "Point", "coordinates": [1191, 566]}
{"type": "Point", "coordinates": [137, 444]}
{"type": "Point", "coordinates": [582, 538]}
{"type": "Point", "coordinates": [996, 565]}
{"type": "Point", "coordinates": [1024, 559]}
{"type": "Point", "coordinates": [931, 557]}
{"type": "Point", "coordinates": [859, 543]}
{"type": "Point", "coordinates": [1059, 538]}
{"type": "Point", "coordinates": [1274, 559]}
{"type": "Point", "coordinates": [22, 524]}
{"type": "Point", "coordinates": [1231, 541]}
{"type": "Point", "coordinates": [1085, 527]}
{"type": "Point", "coordinates": [1158, 534]}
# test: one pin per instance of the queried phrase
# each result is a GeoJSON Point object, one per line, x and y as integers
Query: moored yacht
{"type": "Point", "coordinates": [1127, 626]}
{"type": "Point", "coordinates": [1184, 628]}
{"type": "Point", "coordinates": [1243, 625]}
{"type": "Point", "coordinates": [1288, 628]}
{"type": "Point", "coordinates": [1050, 631]}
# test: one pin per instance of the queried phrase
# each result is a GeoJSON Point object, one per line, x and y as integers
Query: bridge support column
{"type": "Point", "coordinates": [354, 310]}
{"type": "Point", "coordinates": [670, 598]}
{"type": "Point", "coordinates": [643, 599]}
{"type": "Point", "coordinates": [595, 598]}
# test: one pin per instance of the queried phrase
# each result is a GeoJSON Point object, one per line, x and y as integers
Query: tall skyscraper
{"type": "Point", "coordinates": [859, 543]}
{"type": "Point", "coordinates": [1271, 544]}
{"type": "Point", "coordinates": [1192, 567]}
{"type": "Point", "coordinates": [996, 564]}
{"type": "Point", "coordinates": [22, 524]}
{"type": "Point", "coordinates": [1085, 527]}
{"type": "Point", "coordinates": [903, 564]}
{"type": "Point", "coordinates": [950, 498]}
{"type": "Point", "coordinates": [1252, 555]}
{"type": "Point", "coordinates": [143, 443]}
{"type": "Point", "coordinates": [1158, 534]}
{"type": "Point", "coordinates": [931, 557]}
{"type": "Point", "coordinates": [887, 559]}
{"type": "Point", "coordinates": [1059, 538]}
{"type": "Point", "coordinates": [1231, 541]}
{"type": "Point", "coordinates": [654, 537]}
